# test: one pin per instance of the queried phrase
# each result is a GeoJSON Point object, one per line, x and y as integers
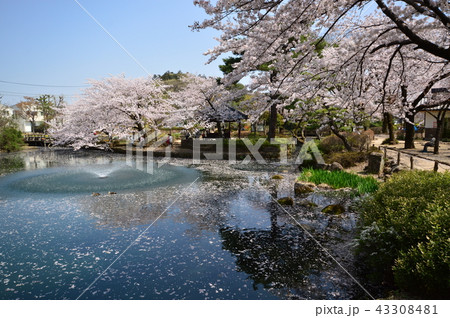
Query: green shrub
{"type": "Point", "coordinates": [10, 139]}
{"type": "Point", "coordinates": [377, 130]}
{"type": "Point", "coordinates": [340, 179]}
{"type": "Point", "coordinates": [358, 141]}
{"type": "Point", "coordinates": [388, 141]}
{"type": "Point", "coordinates": [240, 145]}
{"type": "Point", "coordinates": [346, 159]}
{"type": "Point", "coordinates": [331, 144]}
{"type": "Point", "coordinates": [405, 236]}
{"type": "Point", "coordinates": [401, 135]}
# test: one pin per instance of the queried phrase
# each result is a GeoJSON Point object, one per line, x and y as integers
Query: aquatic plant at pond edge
{"type": "Point", "coordinates": [340, 179]}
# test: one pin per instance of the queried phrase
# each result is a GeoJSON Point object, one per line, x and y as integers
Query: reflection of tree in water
{"type": "Point", "coordinates": [126, 210]}
{"type": "Point", "coordinates": [279, 261]}
{"type": "Point", "coordinates": [208, 207]}
{"type": "Point", "coordinates": [48, 158]}
{"type": "Point", "coordinates": [206, 212]}
{"type": "Point", "coordinates": [283, 259]}
{"type": "Point", "coordinates": [11, 164]}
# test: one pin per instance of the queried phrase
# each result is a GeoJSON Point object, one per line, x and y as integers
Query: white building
{"type": "Point", "coordinates": [8, 110]}
{"type": "Point", "coordinates": [430, 116]}
{"type": "Point", "coordinates": [24, 121]}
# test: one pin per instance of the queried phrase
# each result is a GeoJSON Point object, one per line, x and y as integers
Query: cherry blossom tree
{"type": "Point", "coordinates": [261, 30]}
{"type": "Point", "coordinates": [204, 99]}
{"type": "Point", "coordinates": [385, 76]}
{"type": "Point", "coordinates": [285, 35]}
{"type": "Point", "coordinates": [114, 107]}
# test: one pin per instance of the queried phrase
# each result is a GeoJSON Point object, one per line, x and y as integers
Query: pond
{"type": "Point", "coordinates": [85, 225]}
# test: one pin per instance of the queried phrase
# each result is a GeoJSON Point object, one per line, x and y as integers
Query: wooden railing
{"type": "Point", "coordinates": [37, 139]}
{"type": "Point", "coordinates": [412, 156]}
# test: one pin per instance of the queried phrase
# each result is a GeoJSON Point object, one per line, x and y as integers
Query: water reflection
{"type": "Point", "coordinates": [223, 238]}
{"type": "Point", "coordinates": [10, 164]}
{"type": "Point", "coordinates": [278, 258]}
{"type": "Point", "coordinates": [124, 210]}
{"type": "Point", "coordinates": [281, 258]}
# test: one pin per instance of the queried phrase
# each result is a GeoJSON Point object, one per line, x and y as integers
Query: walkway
{"type": "Point", "coordinates": [420, 158]}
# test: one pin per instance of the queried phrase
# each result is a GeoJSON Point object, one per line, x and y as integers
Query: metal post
{"type": "Point", "coordinates": [436, 166]}
{"type": "Point", "coordinates": [412, 162]}
{"type": "Point", "coordinates": [398, 157]}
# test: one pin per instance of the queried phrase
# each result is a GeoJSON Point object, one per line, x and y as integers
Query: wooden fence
{"type": "Point", "coordinates": [36, 139]}
{"type": "Point", "coordinates": [412, 159]}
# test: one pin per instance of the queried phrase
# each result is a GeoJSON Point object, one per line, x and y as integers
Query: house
{"type": "Point", "coordinates": [430, 115]}
{"type": "Point", "coordinates": [430, 123]}
{"type": "Point", "coordinates": [6, 110]}
{"type": "Point", "coordinates": [24, 119]}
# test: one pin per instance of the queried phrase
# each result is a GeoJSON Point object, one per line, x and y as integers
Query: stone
{"type": "Point", "coordinates": [313, 164]}
{"type": "Point", "coordinates": [111, 192]}
{"type": "Point", "coordinates": [325, 186]}
{"type": "Point", "coordinates": [395, 168]}
{"type": "Point", "coordinates": [322, 166]}
{"type": "Point", "coordinates": [286, 201]}
{"type": "Point", "coordinates": [277, 177]}
{"type": "Point", "coordinates": [376, 163]}
{"type": "Point", "coordinates": [334, 209]}
{"type": "Point", "coordinates": [336, 166]}
{"type": "Point", "coordinates": [303, 187]}
{"type": "Point", "coordinates": [307, 204]}
{"type": "Point", "coordinates": [95, 194]}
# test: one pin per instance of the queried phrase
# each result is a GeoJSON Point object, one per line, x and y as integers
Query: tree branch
{"type": "Point", "coordinates": [425, 45]}
{"type": "Point", "coordinates": [427, 89]}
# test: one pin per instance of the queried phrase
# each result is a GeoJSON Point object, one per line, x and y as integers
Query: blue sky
{"type": "Point", "coordinates": [54, 42]}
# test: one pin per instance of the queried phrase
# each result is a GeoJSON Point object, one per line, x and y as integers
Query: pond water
{"type": "Point", "coordinates": [210, 231]}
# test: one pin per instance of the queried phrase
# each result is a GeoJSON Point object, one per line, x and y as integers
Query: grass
{"type": "Point", "coordinates": [340, 179]}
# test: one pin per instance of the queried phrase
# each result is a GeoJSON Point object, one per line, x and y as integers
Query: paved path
{"type": "Point", "coordinates": [422, 160]}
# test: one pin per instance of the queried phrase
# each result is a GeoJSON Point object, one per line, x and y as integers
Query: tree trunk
{"type": "Point", "coordinates": [388, 121]}
{"type": "Point", "coordinates": [409, 132]}
{"type": "Point", "coordinates": [439, 123]}
{"type": "Point", "coordinates": [436, 142]}
{"type": "Point", "coordinates": [239, 129]}
{"type": "Point", "coordinates": [219, 129]}
{"type": "Point", "coordinates": [272, 121]}
{"type": "Point", "coordinates": [342, 137]}
{"type": "Point", "coordinates": [392, 138]}
{"type": "Point", "coordinates": [385, 123]}
{"type": "Point", "coordinates": [409, 123]}
{"type": "Point", "coordinates": [303, 133]}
